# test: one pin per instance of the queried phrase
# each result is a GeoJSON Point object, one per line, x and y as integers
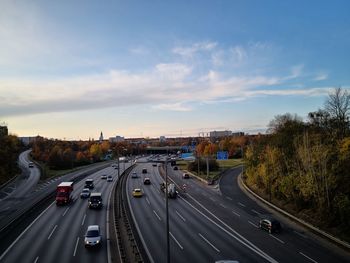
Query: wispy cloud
{"type": "Point", "coordinates": [189, 51]}
{"type": "Point", "coordinates": [321, 76]}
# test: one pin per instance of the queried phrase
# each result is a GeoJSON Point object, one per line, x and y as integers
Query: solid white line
{"type": "Point", "coordinates": [241, 204]}
{"type": "Point", "coordinates": [82, 223]}
{"type": "Point", "coordinates": [253, 224]}
{"type": "Point", "coordinates": [53, 230]}
{"type": "Point", "coordinates": [157, 215]}
{"type": "Point", "coordinates": [36, 260]}
{"type": "Point", "coordinates": [148, 201]}
{"type": "Point", "coordinates": [300, 234]}
{"type": "Point", "coordinates": [222, 205]}
{"type": "Point", "coordinates": [183, 219]}
{"type": "Point", "coordinates": [177, 242]}
{"type": "Point", "coordinates": [14, 242]}
{"type": "Point", "coordinates": [206, 240]}
{"type": "Point", "coordinates": [212, 199]}
{"type": "Point", "coordinates": [229, 198]}
{"type": "Point", "coordinates": [231, 232]}
{"type": "Point", "coordinates": [76, 246]}
{"type": "Point", "coordinates": [277, 239]}
{"type": "Point", "coordinates": [236, 213]}
{"type": "Point", "coordinates": [256, 212]}
{"type": "Point", "coordinates": [65, 212]}
{"type": "Point", "coordinates": [308, 257]}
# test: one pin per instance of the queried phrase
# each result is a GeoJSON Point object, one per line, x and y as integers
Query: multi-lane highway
{"type": "Point", "coordinates": [209, 223]}
{"type": "Point", "coordinates": [57, 235]}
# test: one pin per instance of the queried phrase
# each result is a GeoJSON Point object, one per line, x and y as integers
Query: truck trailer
{"type": "Point", "coordinates": [64, 193]}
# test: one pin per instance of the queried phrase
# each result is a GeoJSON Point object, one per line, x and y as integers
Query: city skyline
{"type": "Point", "coordinates": [136, 69]}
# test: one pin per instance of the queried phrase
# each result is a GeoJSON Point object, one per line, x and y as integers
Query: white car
{"type": "Point", "coordinates": [109, 178]}
{"type": "Point", "coordinates": [92, 236]}
{"type": "Point", "coordinates": [134, 175]}
{"type": "Point", "coordinates": [104, 176]}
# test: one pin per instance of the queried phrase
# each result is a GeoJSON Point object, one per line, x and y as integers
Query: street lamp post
{"type": "Point", "coordinates": [167, 210]}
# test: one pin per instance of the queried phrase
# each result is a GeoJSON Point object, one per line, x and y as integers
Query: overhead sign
{"type": "Point", "coordinates": [222, 155]}
{"type": "Point", "coordinates": [187, 156]}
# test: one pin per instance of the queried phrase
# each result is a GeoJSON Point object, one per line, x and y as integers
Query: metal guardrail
{"type": "Point", "coordinates": [302, 222]}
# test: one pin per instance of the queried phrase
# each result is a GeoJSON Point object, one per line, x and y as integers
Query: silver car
{"type": "Point", "coordinates": [85, 193]}
{"type": "Point", "coordinates": [92, 236]}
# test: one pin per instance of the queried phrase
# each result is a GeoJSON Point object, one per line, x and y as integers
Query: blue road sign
{"type": "Point", "coordinates": [222, 155]}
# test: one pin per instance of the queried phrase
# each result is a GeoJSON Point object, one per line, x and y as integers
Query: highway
{"type": "Point", "coordinates": [57, 234]}
{"type": "Point", "coordinates": [209, 223]}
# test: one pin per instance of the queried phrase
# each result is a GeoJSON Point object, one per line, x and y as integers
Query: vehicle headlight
{"type": "Point", "coordinates": [97, 241]}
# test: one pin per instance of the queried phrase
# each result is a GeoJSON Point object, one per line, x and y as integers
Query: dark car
{"type": "Point", "coordinates": [175, 168]}
{"type": "Point", "coordinates": [89, 183]}
{"type": "Point", "coordinates": [270, 225]}
{"type": "Point", "coordinates": [147, 181]}
{"type": "Point", "coordinates": [185, 176]}
{"type": "Point", "coordinates": [95, 200]}
{"type": "Point", "coordinates": [144, 170]}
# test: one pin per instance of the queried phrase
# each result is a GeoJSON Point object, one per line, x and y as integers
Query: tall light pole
{"type": "Point", "coordinates": [167, 211]}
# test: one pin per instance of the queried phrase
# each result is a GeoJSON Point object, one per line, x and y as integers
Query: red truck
{"type": "Point", "coordinates": [64, 193]}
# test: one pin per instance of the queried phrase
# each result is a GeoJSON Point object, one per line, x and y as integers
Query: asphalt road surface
{"type": "Point", "coordinates": [57, 235]}
{"type": "Point", "coordinates": [209, 223]}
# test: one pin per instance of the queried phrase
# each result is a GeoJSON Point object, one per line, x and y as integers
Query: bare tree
{"type": "Point", "coordinates": [338, 107]}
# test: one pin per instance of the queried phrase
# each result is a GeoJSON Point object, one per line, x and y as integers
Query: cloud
{"type": "Point", "coordinates": [189, 51]}
{"type": "Point", "coordinates": [321, 76]}
{"type": "Point", "coordinates": [172, 107]}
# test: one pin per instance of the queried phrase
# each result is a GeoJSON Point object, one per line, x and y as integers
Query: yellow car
{"type": "Point", "coordinates": [137, 192]}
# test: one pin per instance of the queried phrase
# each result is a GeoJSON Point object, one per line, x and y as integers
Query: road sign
{"type": "Point", "coordinates": [222, 155]}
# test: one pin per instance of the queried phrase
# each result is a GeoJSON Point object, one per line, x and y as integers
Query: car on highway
{"type": "Point", "coordinates": [85, 193]}
{"type": "Point", "coordinates": [144, 170]}
{"type": "Point", "coordinates": [185, 176]}
{"type": "Point", "coordinates": [176, 168]}
{"type": "Point", "coordinates": [134, 175]}
{"type": "Point", "coordinates": [137, 192]}
{"type": "Point", "coordinates": [89, 183]}
{"type": "Point", "coordinates": [271, 225]}
{"type": "Point", "coordinates": [109, 178]}
{"type": "Point", "coordinates": [146, 181]}
{"type": "Point", "coordinates": [95, 200]}
{"type": "Point", "coordinates": [93, 236]}
{"type": "Point", "coordinates": [104, 176]}
{"type": "Point", "coordinates": [154, 164]}
{"type": "Point", "coordinates": [30, 164]}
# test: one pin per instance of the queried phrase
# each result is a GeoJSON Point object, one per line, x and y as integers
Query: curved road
{"type": "Point", "coordinates": [209, 223]}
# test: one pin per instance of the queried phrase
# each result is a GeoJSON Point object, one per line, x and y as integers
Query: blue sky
{"type": "Point", "coordinates": [70, 69]}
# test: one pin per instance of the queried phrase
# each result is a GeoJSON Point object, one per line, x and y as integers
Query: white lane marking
{"type": "Point", "coordinates": [229, 198]}
{"type": "Point", "coordinates": [231, 232]}
{"type": "Point", "coordinates": [76, 246]}
{"type": "Point", "coordinates": [183, 219]}
{"type": "Point", "coordinates": [222, 205]}
{"type": "Point", "coordinates": [36, 260]}
{"type": "Point", "coordinates": [65, 212]}
{"type": "Point", "coordinates": [241, 204]}
{"type": "Point", "coordinates": [212, 199]}
{"type": "Point", "coordinates": [53, 230]}
{"type": "Point", "coordinates": [279, 240]}
{"type": "Point", "coordinates": [157, 215]}
{"type": "Point", "coordinates": [82, 223]}
{"type": "Point", "coordinates": [25, 230]}
{"type": "Point", "coordinates": [177, 242]}
{"type": "Point", "coordinates": [300, 234]}
{"type": "Point", "coordinates": [256, 212]}
{"type": "Point", "coordinates": [253, 224]}
{"type": "Point", "coordinates": [206, 240]}
{"type": "Point", "coordinates": [301, 253]}
{"type": "Point", "coordinates": [148, 201]}
{"type": "Point", "coordinates": [236, 213]}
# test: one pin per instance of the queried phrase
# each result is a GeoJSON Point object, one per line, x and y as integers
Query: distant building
{"type": "Point", "coordinates": [220, 134]}
{"type": "Point", "coordinates": [162, 139]}
{"type": "Point", "coordinates": [3, 131]}
{"type": "Point", "coordinates": [29, 139]}
{"type": "Point", "coordinates": [101, 137]}
{"type": "Point", "coordinates": [116, 139]}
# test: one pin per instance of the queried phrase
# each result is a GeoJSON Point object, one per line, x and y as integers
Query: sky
{"type": "Point", "coordinates": [71, 69]}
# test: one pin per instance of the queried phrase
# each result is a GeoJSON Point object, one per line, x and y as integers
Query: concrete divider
{"type": "Point", "coordinates": [302, 222]}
